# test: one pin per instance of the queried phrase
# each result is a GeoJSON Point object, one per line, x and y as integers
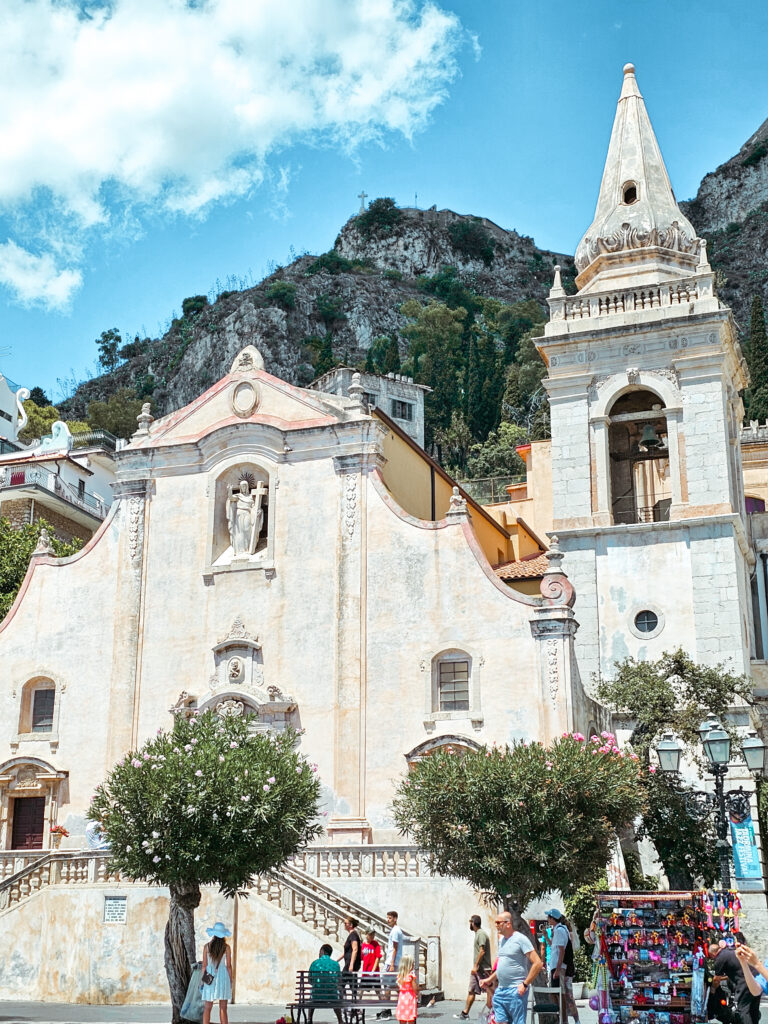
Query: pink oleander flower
{"type": "Point", "coordinates": [199, 774]}
{"type": "Point", "coordinates": [265, 787]}
{"type": "Point", "coordinates": [271, 780]}
{"type": "Point", "coordinates": [652, 769]}
{"type": "Point", "coordinates": [136, 763]}
{"type": "Point", "coordinates": [232, 745]}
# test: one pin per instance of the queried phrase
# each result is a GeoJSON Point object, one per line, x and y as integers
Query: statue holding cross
{"type": "Point", "coordinates": [362, 197]}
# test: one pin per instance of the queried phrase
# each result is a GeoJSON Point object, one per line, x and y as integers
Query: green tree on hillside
{"type": "Point", "coordinates": [757, 358]}
{"type": "Point", "coordinates": [108, 343]}
{"type": "Point", "coordinates": [117, 414]}
{"type": "Point", "coordinates": [497, 455]}
{"type": "Point", "coordinates": [435, 333]}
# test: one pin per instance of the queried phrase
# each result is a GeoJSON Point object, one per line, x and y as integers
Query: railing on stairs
{"type": "Point", "coordinates": [295, 891]}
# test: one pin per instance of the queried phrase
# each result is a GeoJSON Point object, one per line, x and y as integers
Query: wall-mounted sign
{"type": "Point", "coordinates": [115, 909]}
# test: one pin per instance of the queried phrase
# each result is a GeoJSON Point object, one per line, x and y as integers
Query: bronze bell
{"type": "Point", "coordinates": [650, 439]}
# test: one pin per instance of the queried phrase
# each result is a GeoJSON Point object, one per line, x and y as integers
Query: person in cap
{"type": "Point", "coordinates": [217, 973]}
{"type": "Point", "coordinates": [560, 961]}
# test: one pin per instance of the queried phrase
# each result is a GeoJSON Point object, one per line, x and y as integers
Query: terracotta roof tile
{"type": "Point", "coordinates": [530, 568]}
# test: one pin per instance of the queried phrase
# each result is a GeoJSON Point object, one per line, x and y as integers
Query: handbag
{"type": "Point", "coordinates": [192, 1009]}
{"type": "Point", "coordinates": [207, 978]}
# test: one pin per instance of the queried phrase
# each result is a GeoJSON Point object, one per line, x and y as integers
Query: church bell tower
{"type": "Point", "coordinates": [644, 378]}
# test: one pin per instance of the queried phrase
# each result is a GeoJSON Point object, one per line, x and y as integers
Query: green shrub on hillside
{"type": "Point", "coordinates": [470, 238]}
{"type": "Point", "coordinates": [282, 293]}
{"type": "Point", "coordinates": [380, 219]}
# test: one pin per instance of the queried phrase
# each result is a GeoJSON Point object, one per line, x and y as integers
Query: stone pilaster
{"type": "Point", "coordinates": [349, 822]}
{"type": "Point", "coordinates": [554, 626]}
{"type": "Point", "coordinates": [125, 676]}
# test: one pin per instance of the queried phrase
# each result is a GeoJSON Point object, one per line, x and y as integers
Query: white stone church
{"type": "Point", "coordinates": [295, 554]}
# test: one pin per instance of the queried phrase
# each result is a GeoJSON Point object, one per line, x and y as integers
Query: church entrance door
{"type": "Point", "coordinates": [28, 823]}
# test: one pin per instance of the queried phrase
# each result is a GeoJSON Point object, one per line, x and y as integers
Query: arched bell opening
{"type": "Point", "coordinates": [641, 490]}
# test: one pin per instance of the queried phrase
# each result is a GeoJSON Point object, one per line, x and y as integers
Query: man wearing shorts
{"type": "Point", "coordinates": [481, 967]}
{"type": "Point", "coordinates": [517, 965]}
{"type": "Point", "coordinates": [561, 962]}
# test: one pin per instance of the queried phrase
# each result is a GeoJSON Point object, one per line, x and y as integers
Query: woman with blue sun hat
{"type": "Point", "coordinates": [217, 973]}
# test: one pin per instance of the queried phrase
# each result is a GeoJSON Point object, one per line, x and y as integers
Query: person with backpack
{"type": "Point", "coordinates": [560, 962]}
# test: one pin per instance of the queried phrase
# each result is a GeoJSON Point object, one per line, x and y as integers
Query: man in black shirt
{"type": "Point", "coordinates": [728, 966]}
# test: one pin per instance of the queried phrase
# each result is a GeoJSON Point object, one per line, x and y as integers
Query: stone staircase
{"type": "Point", "coordinates": [297, 889]}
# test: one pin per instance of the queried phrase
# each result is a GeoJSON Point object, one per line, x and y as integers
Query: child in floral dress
{"type": "Point", "coordinates": [408, 986]}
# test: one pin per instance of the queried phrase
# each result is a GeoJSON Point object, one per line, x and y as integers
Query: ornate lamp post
{"type": "Point", "coordinates": [717, 748]}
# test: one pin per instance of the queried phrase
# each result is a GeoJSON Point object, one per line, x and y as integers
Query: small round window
{"type": "Point", "coordinates": [646, 622]}
{"type": "Point", "coordinates": [629, 193]}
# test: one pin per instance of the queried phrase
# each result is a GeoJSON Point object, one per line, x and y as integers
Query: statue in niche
{"type": "Point", "coordinates": [245, 517]}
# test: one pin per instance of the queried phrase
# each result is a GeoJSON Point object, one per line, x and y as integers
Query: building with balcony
{"type": "Point", "coordinates": [65, 479]}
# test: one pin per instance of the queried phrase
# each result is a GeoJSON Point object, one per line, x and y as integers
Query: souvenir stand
{"type": "Point", "coordinates": [652, 947]}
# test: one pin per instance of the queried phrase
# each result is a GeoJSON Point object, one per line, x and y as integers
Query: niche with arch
{"type": "Point", "coordinates": [639, 458]}
{"type": "Point", "coordinates": [243, 511]}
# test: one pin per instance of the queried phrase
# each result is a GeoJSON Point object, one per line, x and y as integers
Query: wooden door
{"type": "Point", "coordinates": [28, 823]}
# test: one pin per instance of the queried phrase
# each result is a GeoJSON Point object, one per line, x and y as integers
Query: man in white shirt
{"type": "Point", "coordinates": [560, 962]}
{"type": "Point", "coordinates": [392, 958]}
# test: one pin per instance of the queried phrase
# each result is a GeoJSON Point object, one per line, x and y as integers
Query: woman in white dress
{"type": "Point", "coordinates": [217, 964]}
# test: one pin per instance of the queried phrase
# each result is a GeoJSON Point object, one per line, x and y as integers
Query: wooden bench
{"type": "Point", "coordinates": [351, 994]}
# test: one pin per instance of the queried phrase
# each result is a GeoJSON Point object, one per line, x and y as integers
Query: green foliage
{"type": "Point", "coordinates": [330, 310]}
{"type": "Point", "coordinates": [392, 274]}
{"type": "Point", "coordinates": [435, 333]}
{"type": "Point", "coordinates": [470, 238]}
{"type": "Point", "coordinates": [520, 821]}
{"type": "Point", "coordinates": [40, 420]}
{"type": "Point", "coordinates": [118, 414]}
{"type": "Point", "coordinates": [282, 293]}
{"type": "Point", "coordinates": [449, 287]}
{"type": "Point", "coordinates": [383, 356]}
{"type": "Point", "coordinates": [496, 456]}
{"type": "Point", "coordinates": [145, 387]}
{"type": "Point", "coordinates": [454, 442]}
{"type": "Point", "coordinates": [16, 547]}
{"type": "Point", "coordinates": [134, 348]}
{"type": "Point", "coordinates": [579, 907]}
{"type": "Point", "coordinates": [382, 218]}
{"type": "Point", "coordinates": [757, 360]}
{"type": "Point", "coordinates": [332, 263]}
{"type": "Point", "coordinates": [675, 694]}
{"type": "Point", "coordinates": [39, 397]}
{"type": "Point", "coordinates": [325, 359]}
{"type": "Point", "coordinates": [108, 344]}
{"type": "Point", "coordinates": [525, 400]}
{"type": "Point", "coordinates": [208, 803]}
{"type": "Point", "coordinates": [756, 155]}
{"type": "Point", "coordinates": [194, 305]}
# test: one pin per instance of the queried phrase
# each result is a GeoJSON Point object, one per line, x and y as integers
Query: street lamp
{"type": "Point", "coordinates": [669, 751]}
{"type": "Point", "coordinates": [753, 749]}
{"type": "Point", "coordinates": [717, 748]}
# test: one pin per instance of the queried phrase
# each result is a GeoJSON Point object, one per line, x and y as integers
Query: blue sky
{"type": "Point", "coordinates": [150, 153]}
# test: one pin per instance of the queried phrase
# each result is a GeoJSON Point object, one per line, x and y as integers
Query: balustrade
{"type": "Point", "coordinates": [362, 862]}
{"type": "Point", "coordinates": [581, 307]}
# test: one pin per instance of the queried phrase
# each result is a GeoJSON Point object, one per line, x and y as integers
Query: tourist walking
{"type": "Point", "coordinates": [408, 991]}
{"type": "Point", "coordinates": [481, 966]}
{"type": "Point", "coordinates": [217, 973]}
{"type": "Point", "coordinates": [517, 965]}
{"type": "Point", "coordinates": [372, 954]}
{"type": "Point", "coordinates": [351, 954]}
{"type": "Point", "coordinates": [729, 966]}
{"type": "Point", "coordinates": [560, 963]}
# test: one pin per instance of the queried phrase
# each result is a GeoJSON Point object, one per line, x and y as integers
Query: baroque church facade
{"type": "Point", "coordinates": [294, 554]}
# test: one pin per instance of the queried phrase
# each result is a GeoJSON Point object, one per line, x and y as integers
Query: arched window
{"type": "Point", "coordinates": [455, 744]}
{"type": "Point", "coordinates": [451, 682]}
{"type": "Point", "coordinates": [639, 457]}
{"type": "Point", "coordinates": [39, 711]}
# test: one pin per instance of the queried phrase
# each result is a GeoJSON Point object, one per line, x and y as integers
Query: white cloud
{"type": "Point", "coordinates": [165, 104]}
{"type": "Point", "coordinates": [38, 279]}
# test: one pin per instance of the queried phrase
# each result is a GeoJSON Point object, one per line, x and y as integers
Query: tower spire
{"type": "Point", "coordinates": [638, 230]}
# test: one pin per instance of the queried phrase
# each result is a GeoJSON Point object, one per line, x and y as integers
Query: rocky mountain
{"type": "Point", "coordinates": [352, 295]}
{"type": "Point", "coordinates": [731, 211]}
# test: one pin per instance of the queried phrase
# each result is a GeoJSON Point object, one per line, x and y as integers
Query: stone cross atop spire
{"type": "Point", "coordinates": [639, 235]}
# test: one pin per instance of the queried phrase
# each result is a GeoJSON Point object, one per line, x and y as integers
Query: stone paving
{"type": "Point", "coordinates": [63, 1013]}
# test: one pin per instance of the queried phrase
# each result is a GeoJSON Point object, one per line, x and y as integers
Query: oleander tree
{"type": "Point", "coordinates": [519, 821]}
{"type": "Point", "coordinates": [209, 802]}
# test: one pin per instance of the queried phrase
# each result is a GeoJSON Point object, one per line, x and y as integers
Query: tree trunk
{"type": "Point", "coordinates": [180, 942]}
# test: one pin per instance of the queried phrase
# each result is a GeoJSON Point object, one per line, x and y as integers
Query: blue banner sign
{"type": "Point", "coordinates": [746, 859]}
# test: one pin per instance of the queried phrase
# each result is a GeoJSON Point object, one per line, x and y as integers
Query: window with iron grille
{"type": "Point", "coordinates": [453, 685]}
{"type": "Point", "coordinates": [401, 410]}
